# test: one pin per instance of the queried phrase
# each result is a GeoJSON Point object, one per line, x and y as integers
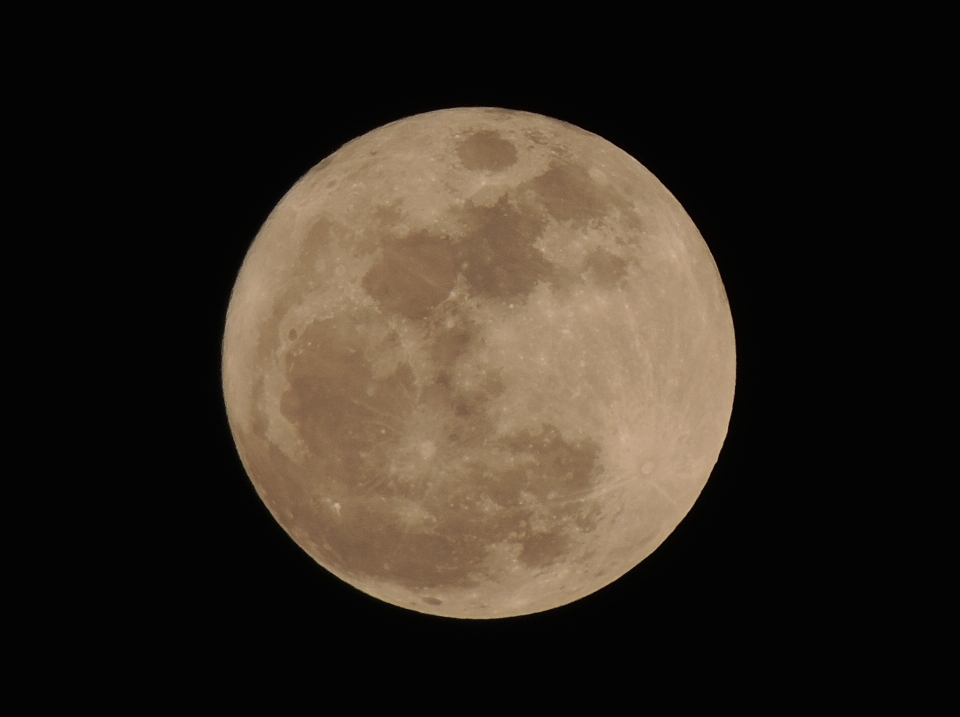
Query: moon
{"type": "Point", "coordinates": [479, 363]}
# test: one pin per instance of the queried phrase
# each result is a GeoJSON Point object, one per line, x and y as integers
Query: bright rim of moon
{"type": "Point", "coordinates": [479, 363]}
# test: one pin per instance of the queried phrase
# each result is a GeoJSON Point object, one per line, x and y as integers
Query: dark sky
{"type": "Point", "coordinates": [159, 141]}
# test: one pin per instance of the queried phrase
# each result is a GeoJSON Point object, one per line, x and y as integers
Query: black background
{"type": "Point", "coordinates": [215, 572]}
{"type": "Point", "coordinates": [807, 147]}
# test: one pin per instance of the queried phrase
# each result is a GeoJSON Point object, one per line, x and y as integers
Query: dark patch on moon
{"type": "Point", "coordinates": [486, 150]}
{"type": "Point", "coordinates": [450, 343]}
{"type": "Point", "coordinates": [568, 192]}
{"type": "Point", "coordinates": [386, 217]}
{"type": "Point", "coordinates": [607, 269]}
{"type": "Point", "coordinates": [356, 427]}
{"type": "Point", "coordinates": [322, 233]}
{"type": "Point", "coordinates": [370, 541]}
{"type": "Point", "coordinates": [531, 489]}
{"type": "Point", "coordinates": [339, 408]}
{"type": "Point", "coordinates": [412, 275]}
{"type": "Point", "coordinates": [497, 254]}
{"type": "Point", "coordinates": [542, 549]}
{"type": "Point", "coordinates": [452, 334]}
{"type": "Point", "coordinates": [296, 283]}
{"type": "Point", "coordinates": [552, 466]}
{"type": "Point", "coordinates": [495, 248]}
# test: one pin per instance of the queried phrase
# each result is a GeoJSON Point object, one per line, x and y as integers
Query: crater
{"type": "Point", "coordinates": [486, 150]}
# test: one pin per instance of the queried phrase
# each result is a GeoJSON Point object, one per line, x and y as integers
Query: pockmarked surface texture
{"type": "Point", "coordinates": [479, 363]}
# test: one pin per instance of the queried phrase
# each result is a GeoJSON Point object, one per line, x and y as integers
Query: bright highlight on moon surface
{"type": "Point", "coordinates": [479, 363]}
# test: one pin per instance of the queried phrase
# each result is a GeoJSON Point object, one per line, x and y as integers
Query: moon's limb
{"type": "Point", "coordinates": [479, 363]}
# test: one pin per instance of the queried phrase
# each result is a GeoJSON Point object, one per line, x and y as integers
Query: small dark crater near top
{"type": "Point", "coordinates": [292, 335]}
{"type": "Point", "coordinates": [487, 150]}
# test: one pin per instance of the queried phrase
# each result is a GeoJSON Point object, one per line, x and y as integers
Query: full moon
{"type": "Point", "coordinates": [479, 363]}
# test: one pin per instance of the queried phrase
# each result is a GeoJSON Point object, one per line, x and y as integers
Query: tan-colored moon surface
{"type": "Point", "coordinates": [479, 363]}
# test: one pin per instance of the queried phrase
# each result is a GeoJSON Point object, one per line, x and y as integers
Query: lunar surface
{"type": "Point", "coordinates": [479, 363]}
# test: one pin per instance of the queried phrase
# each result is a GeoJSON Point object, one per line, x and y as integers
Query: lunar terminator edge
{"type": "Point", "coordinates": [479, 363]}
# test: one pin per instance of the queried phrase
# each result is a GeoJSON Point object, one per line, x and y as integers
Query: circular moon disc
{"type": "Point", "coordinates": [479, 363]}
